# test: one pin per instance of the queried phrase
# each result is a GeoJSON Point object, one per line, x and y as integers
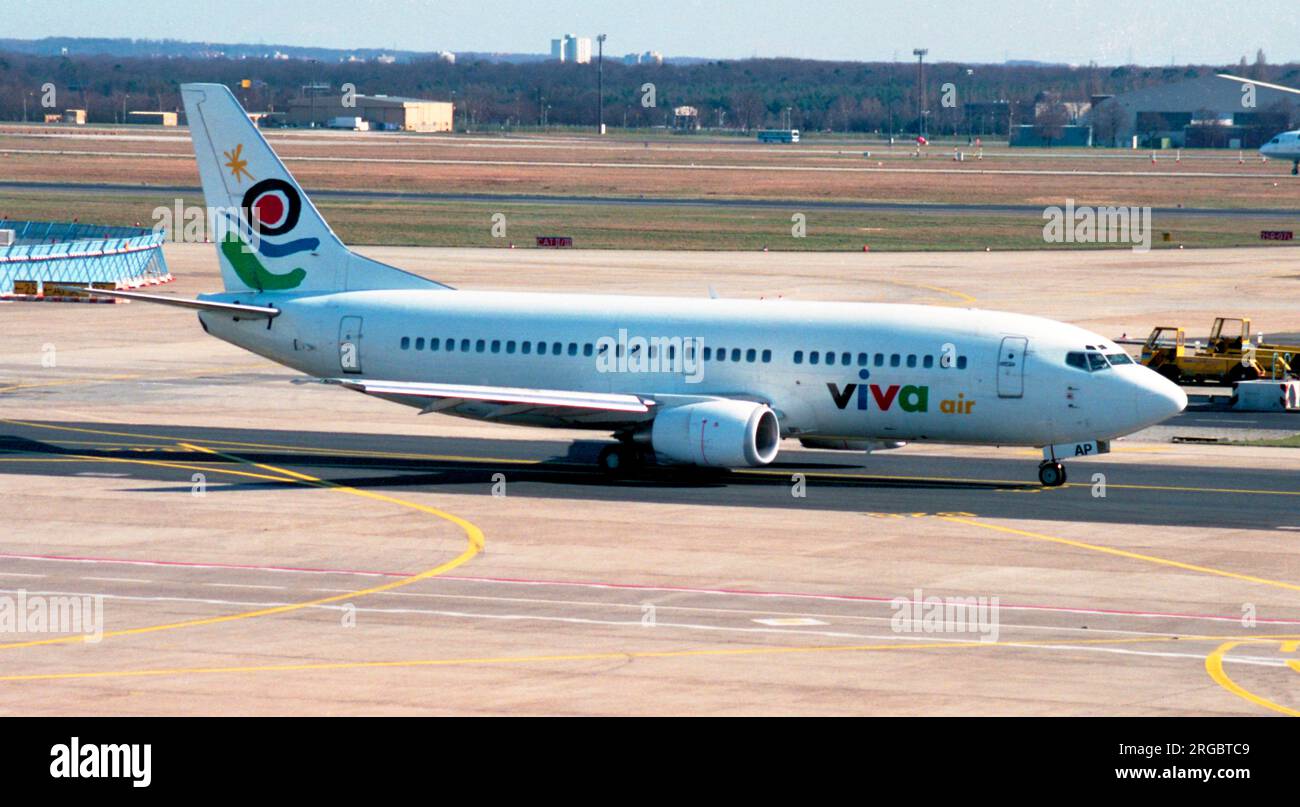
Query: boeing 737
{"type": "Point", "coordinates": [1285, 146]}
{"type": "Point", "coordinates": [704, 382]}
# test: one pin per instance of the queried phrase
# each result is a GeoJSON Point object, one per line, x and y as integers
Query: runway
{"type": "Point", "coordinates": [1034, 211]}
{"type": "Point", "coordinates": [881, 485]}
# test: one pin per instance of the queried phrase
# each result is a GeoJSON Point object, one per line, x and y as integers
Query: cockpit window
{"type": "Point", "coordinates": [1090, 361]}
{"type": "Point", "coordinates": [1119, 358]}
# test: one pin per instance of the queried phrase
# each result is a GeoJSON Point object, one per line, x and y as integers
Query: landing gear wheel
{"type": "Point", "coordinates": [619, 460]}
{"type": "Point", "coordinates": [1051, 474]}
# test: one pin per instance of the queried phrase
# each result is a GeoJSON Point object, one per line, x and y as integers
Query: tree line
{"type": "Point", "coordinates": [848, 97]}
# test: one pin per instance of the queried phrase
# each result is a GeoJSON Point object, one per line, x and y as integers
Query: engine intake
{"type": "Point", "coordinates": [717, 434]}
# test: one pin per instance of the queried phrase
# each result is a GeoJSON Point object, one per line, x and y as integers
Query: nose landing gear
{"type": "Point", "coordinates": [1051, 474]}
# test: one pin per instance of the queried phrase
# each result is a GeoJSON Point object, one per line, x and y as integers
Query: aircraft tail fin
{"type": "Point", "coordinates": [269, 235]}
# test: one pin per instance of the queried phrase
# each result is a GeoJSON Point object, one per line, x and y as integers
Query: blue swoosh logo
{"type": "Point", "coordinates": [280, 250]}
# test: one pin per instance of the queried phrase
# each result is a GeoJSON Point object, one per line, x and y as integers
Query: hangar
{"type": "Point", "coordinates": [390, 112]}
{"type": "Point", "coordinates": [1206, 112]}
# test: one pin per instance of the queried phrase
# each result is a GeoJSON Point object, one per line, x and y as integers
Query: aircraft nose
{"type": "Point", "coordinates": [1159, 398]}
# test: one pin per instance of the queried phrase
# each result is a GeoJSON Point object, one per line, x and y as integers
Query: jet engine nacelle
{"type": "Point", "coordinates": [719, 434]}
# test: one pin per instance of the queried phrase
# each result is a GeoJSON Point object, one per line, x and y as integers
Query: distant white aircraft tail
{"type": "Point", "coordinates": [270, 237]}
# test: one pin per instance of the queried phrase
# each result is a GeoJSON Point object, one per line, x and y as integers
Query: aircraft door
{"type": "Point", "coordinates": [350, 345]}
{"type": "Point", "coordinates": [1011, 367]}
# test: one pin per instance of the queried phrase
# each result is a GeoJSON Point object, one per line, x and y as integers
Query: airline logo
{"type": "Point", "coordinates": [270, 208]}
{"type": "Point", "coordinates": [884, 397]}
{"type": "Point", "coordinates": [908, 397]}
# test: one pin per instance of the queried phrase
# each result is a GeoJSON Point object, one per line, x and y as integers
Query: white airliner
{"type": "Point", "coordinates": [706, 382]}
{"type": "Point", "coordinates": [1286, 146]}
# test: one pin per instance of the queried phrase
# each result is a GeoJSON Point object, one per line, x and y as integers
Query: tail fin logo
{"type": "Point", "coordinates": [269, 208]}
{"type": "Point", "coordinates": [237, 164]}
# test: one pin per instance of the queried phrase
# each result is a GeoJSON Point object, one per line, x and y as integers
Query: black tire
{"type": "Point", "coordinates": [1051, 474]}
{"type": "Point", "coordinates": [1241, 373]}
{"type": "Point", "coordinates": [619, 460]}
{"type": "Point", "coordinates": [1171, 372]}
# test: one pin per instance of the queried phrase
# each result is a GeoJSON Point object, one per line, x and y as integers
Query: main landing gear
{"type": "Point", "coordinates": [621, 460]}
{"type": "Point", "coordinates": [1051, 474]}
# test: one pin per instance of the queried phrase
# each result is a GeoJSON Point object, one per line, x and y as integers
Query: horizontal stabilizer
{"type": "Point", "coordinates": [250, 311]}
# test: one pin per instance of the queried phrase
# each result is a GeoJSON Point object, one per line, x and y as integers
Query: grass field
{"type": "Point", "coordinates": [665, 167]}
{"type": "Point", "coordinates": [621, 226]}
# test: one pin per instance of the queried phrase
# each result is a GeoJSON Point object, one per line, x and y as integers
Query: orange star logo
{"type": "Point", "coordinates": [237, 164]}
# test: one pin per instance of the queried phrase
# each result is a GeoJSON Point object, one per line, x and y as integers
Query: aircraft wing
{"type": "Point", "coordinates": [513, 399]}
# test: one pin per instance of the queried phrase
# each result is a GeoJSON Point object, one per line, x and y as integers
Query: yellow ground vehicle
{"type": "Point", "coordinates": [1277, 361]}
{"type": "Point", "coordinates": [1225, 360]}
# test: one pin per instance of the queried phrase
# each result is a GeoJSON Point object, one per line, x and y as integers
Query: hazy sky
{"type": "Point", "coordinates": [1105, 31]}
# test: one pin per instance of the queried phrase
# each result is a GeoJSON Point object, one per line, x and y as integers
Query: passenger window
{"type": "Point", "coordinates": [751, 355]}
{"type": "Point", "coordinates": [862, 360]}
{"type": "Point", "coordinates": [880, 359]}
{"type": "Point", "coordinates": [767, 357]}
{"type": "Point", "coordinates": [587, 349]}
{"type": "Point", "coordinates": [406, 343]}
{"type": "Point", "coordinates": [510, 346]}
{"type": "Point", "coordinates": [735, 354]}
{"type": "Point", "coordinates": [496, 345]}
{"type": "Point", "coordinates": [927, 362]}
{"type": "Point", "coordinates": [708, 353]}
{"type": "Point", "coordinates": [480, 345]}
{"type": "Point", "coordinates": [541, 348]}
{"type": "Point", "coordinates": [419, 343]}
{"type": "Point", "coordinates": [433, 343]}
{"type": "Point", "coordinates": [911, 360]}
{"type": "Point", "coordinates": [846, 359]}
{"type": "Point", "coordinates": [798, 357]}
{"type": "Point", "coordinates": [526, 347]}
{"type": "Point", "coordinates": [557, 348]}
{"type": "Point", "coordinates": [895, 360]}
{"type": "Point", "coordinates": [573, 348]}
{"type": "Point", "coordinates": [813, 357]}
{"type": "Point", "coordinates": [451, 345]}
{"type": "Point", "coordinates": [464, 346]}
{"type": "Point", "coordinates": [961, 362]}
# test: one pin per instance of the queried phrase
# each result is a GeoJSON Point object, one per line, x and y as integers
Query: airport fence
{"type": "Point", "coordinates": [119, 257]}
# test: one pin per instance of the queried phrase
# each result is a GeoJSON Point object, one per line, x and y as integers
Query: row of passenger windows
{"type": "Point", "coordinates": [846, 359]}
{"type": "Point", "coordinates": [483, 346]}
{"type": "Point", "coordinates": [715, 354]}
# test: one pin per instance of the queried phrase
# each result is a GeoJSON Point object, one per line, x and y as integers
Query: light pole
{"type": "Point", "coordinates": [920, 53]}
{"type": "Point", "coordinates": [125, 96]}
{"type": "Point", "coordinates": [600, 83]}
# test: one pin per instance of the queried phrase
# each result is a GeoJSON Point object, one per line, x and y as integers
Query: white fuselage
{"type": "Point", "coordinates": [1285, 146]}
{"type": "Point", "coordinates": [930, 373]}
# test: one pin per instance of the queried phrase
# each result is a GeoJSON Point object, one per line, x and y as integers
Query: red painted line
{"type": "Point", "coordinates": [732, 592]}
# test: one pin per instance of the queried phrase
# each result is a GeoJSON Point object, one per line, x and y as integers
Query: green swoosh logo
{"type": "Point", "coordinates": [251, 270]}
